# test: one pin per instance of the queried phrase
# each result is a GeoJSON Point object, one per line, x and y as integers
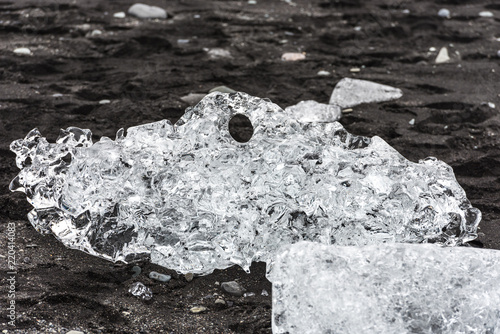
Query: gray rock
{"type": "Point", "coordinates": [233, 288]}
{"type": "Point", "coordinates": [143, 11]}
{"type": "Point", "coordinates": [159, 277]}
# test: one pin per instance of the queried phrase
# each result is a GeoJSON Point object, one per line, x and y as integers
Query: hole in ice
{"type": "Point", "coordinates": [240, 128]}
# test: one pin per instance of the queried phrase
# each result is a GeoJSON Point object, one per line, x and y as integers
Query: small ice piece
{"type": "Point", "coordinates": [57, 95]}
{"type": "Point", "coordinates": [491, 105]}
{"type": "Point", "coordinates": [143, 11]}
{"type": "Point", "coordinates": [252, 2]}
{"type": "Point", "coordinates": [119, 15]}
{"type": "Point", "coordinates": [323, 73]}
{"type": "Point", "coordinates": [193, 199]}
{"type": "Point", "coordinates": [351, 92]}
{"type": "Point", "coordinates": [443, 12]}
{"type": "Point", "coordinates": [218, 53]}
{"type": "Point", "coordinates": [193, 98]}
{"type": "Point", "coordinates": [264, 293]}
{"type": "Point", "coordinates": [412, 121]}
{"type": "Point", "coordinates": [389, 288]}
{"type": "Point", "coordinates": [249, 294]}
{"type": "Point", "coordinates": [136, 271]}
{"type": "Point", "coordinates": [140, 290]}
{"type": "Point", "coordinates": [405, 11]}
{"type": "Point", "coordinates": [183, 41]}
{"type": "Point", "coordinates": [104, 102]}
{"type": "Point", "coordinates": [442, 56]}
{"type": "Point", "coordinates": [22, 51]}
{"type": "Point", "coordinates": [293, 56]}
{"type": "Point", "coordinates": [312, 111]}
{"type": "Point", "coordinates": [96, 32]}
{"type": "Point", "coordinates": [486, 14]}
{"type": "Point", "coordinates": [159, 277]}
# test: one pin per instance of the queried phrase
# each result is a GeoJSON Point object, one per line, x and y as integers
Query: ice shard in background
{"type": "Point", "coordinates": [312, 111]}
{"type": "Point", "coordinates": [350, 92]}
{"type": "Point", "coordinates": [389, 288]}
{"type": "Point", "coordinates": [194, 199]}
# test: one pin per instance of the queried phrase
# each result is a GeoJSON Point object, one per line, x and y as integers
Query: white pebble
{"type": "Point", "coordinates": [104, 101]}
{"type": "Point", "coordinates": [182, 41]}
{"type": "Point", "coordinates": [486, 14]}
{"type": "Point", "coordinates": [22, 51]}
{"type": "Point", "coordinates": [432, 49]}
{"type": "Point", "coordinates": [143, 11]}
{"type": "Point", "coordinates": [293, 56]}
{"type": "Point", "coordinates": [443, 12]}
{"type": "Point", "coordinates": [323, 73]}
{"type": "Point", "coordinates": [119, 15]}
{"type": "Point", "coordinates": [405, 11]}
{"type": "Point", "coordinates": [412, 121]}
{"type": "Point", "coordinates": [96, 32]}
{"type": "Point", "coordinates": [57, 95]}
{"type": "Point", "coordinates": [491, 105]}
{"type": "Point", "coordinates": [442, 56]}
{"type": "Point", "coordinates": [355, 70]}
{"type": "Point", "coordinates": [196, 16]}
{"type": "Point", "coordinates": [216, 53]}
{"type": "Point", "coordinates": [252, 2]}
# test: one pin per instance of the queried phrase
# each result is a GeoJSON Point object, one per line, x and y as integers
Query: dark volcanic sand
{"type": "Point", "coordinates": [140, 67]}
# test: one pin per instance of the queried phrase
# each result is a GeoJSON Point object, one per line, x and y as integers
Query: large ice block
{"type": "Point", "coordinates": [194, 199]}
{"type": "Point", "coordinates": [387, 288]}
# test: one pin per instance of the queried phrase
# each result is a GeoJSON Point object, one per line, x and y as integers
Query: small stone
{"type": "Point", "coordinates": [159, 277]}
{"type": "Point", "coordinates": [355, 70]}
{"type": "Point", "coordinates": [412, 121]}
{"type": "Point", "coordinates": [442, 56]}
{"type": "Point", "coordinates": [189, 277]}
{"type": "Point", "coordinates": [140, 290]}
{"type": "Point", "coordinates": [27, 260]}
{"type": "Point", "coordinates": [96, 32]}
{"type": "Point", "coordinates": [432, 49]}
{"type": "Point", "coordinates": [222, 89]}
{"type": "Point", "coordinates": [32, 246]}
{"type": "Point", "coordinates": [491, 105]}
{"type": "Point", "coordinates": [104, 102]}
{"type": "Point", "coordinates": [119, 15]}
{"type": "Point", "coordinates": [183, 41]}
{"type": "Point", "coordinates": [347, 111]}
{"type": "Point", "coordinates": [143, 11]}
{"type": "Point", "coordinates": [405, 11]}
{"type": "Point", "coordinates": [233, 288]}
{"type": "Point", "coordinates": [136, 271]}
{"type": "Point", "coordinates": [486, 14]}
{"type": "Point", "coordinates": [198, 309]}
{"type": "Point", "coordinates": [22, 51]}
{"type": "Point", "coordinates": [220, 301]}
{"type": "Point", "coordinates": [193, 98]}
{"type": "Point", "coordinates": [323, 73]}
{"type": "Point", "coordinates": [443, 12]}
{"type": "Point", "coordinates": [264, 293]}
{"type": "Point", "coordinates": [248, 294]}
{"type": "Point", "coordinates": [293, 56]}
{"type": "Point", "coordinates": [229, 303]}
{"type": "Point", "coordinates": [125, 313]}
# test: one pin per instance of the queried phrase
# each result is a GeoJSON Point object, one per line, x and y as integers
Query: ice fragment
{"type": "Point", "coordinates": [312, 111]}
{"type": "Point", "coordinates": [442, 56]}
{"type": "Point", "coordinates": [351, 92]}
{"type": "Point", "coordinates": [193, 199]}
{"type": "Point", "coordinates": [390, 288]}
{"type": "Point", "coordinates": [143, 11]}
{"type": "Point", "coordinates": [443, 12]}
{"type": "Point", "coordinates": [140, 290]}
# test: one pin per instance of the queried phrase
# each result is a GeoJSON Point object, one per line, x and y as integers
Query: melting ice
{"type": "Point", "coordinates": [193, 199]}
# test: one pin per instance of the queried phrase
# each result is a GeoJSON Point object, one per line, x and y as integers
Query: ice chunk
{"type": "Point", "coordinates": [140, 290]}
{"type": "Point", "coordinates": [442, 56]}
{"type": "Point", "coordinates": [194, 199]}
{"type": "Point", "coordinates": [312, 111]}
{"type": "Point", "coordinates": [143, 11]}
{"type": "Point", "coordinates": [390, 288]}
{"type": "Point", "coordinates": [351, 92]}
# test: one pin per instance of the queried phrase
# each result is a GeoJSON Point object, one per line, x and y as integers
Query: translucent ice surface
{"type": "Point", "coordinates": [194, 199]}
{"type": "Point", "coordinates": [312, 111]}
{"type": "Point", "coordinates": [390, 288]}
{"type": "Point", "coordinates": [351, 92]}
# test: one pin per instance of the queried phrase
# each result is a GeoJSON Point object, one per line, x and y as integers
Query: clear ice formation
{"type": "Point", "coordinates": [390, 288]}
{"type": "Point", "coordinates": [140, 290]}
{"type": "Point", "coordinates": [351, 92]}
{"type": "Point", "coordinates": [314, 112]}
{"type": "Point", "coordinates": [193, 199]}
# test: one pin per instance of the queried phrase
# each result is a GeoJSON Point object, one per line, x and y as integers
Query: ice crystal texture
{"type": "Point", "coordinates": [312, 111]}
{"type": "Point", "coordinates": [351, 92]}
{"type": "Point", "coordinates": [390, 288]}
{"type": "Point", "coordinates": [194, 199]}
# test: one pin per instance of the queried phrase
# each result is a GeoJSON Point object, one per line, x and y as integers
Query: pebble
{"type": "Point", "coordinates": [252, 2]}
{"type": "Point", "coordinates": [220, 301]}
{"type": "Point", "coordinates": [217, 53]}
{"type": "Point", "coordinates": [405, 11]}
{"type": "Point", "coordinates": [491, 105]}
{"type": "Point", "coordinates": [119, 15]}
{"type": "Point", "coordinates": [412, 121]}
{"type": "Point", "coordinates": [347, 111]}
{"type": "Point", "coordinates": [104, 102]}
{"type": "Point", "coordinates": [198, 309]}
{"type": "Point", "coordinates": [193, 99]}
{"type": "Point", "coordinates": [159, 277]}
{"type": "Point", "coordinates": [486, 14]}
{"type": "Point", "coordinates": [222, 89]}
{"type": "Point", "coordinates": [182, 41]}
{"type": "Point", "coordinates": [95, 32]}
{"type": "Point", "coordinates": [293, 56]}
{"type": "Point", "coordinates": [137, 271]}
{"type": "Point", "coordinates": [57, 95]}
{"type": "Point", "coordinates": [355, 70]}
{"type": "Point", "coordinates": [432, 49]}
{"type": "Point", "coordinates": [74, 332]}
{"type": "Point", "coordinates": [323, 73]}
{"type": "Point", "coordinates": [27, 260]}
{"type": "Point", "coordinates": [264, 293]}
{"type": "Point", "coordinates": [189, 277]}
{"type": "Point", "coordinates": [143, 11]}
{"type": "Point", "coordinates": [443, 12]}
{"type": "Point", "coordinates": [442, 56]}
{"type": "Point", "coordinates": [233, 288]}
{"type": "Point", "coordinates": [22, 51]}
{"type": "Point", "coordinates": [249, 294]}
